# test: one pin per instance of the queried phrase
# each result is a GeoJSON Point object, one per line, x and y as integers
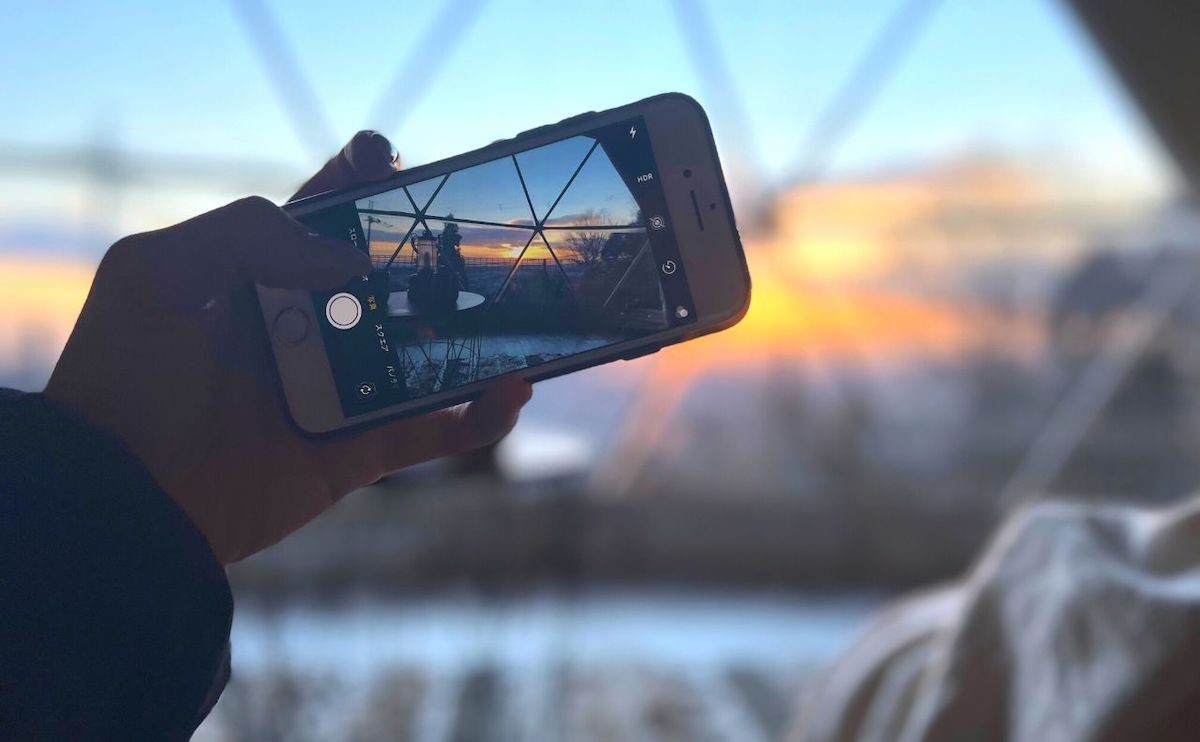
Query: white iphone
{"type": "Point", "coordinates": [603, 237]}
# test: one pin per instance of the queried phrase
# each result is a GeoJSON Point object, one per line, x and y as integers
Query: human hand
{"type": "Point", "coordinates": [170, 354]}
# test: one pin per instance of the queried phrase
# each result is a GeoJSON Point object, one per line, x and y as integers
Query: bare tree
{"type": "Point", "coordinates": [588, 247]}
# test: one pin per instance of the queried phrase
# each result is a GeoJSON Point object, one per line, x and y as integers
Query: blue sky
{"type": "Point", "coordinates": [182, 79]}
{"type": "Point", "coordinates": [492, 190]}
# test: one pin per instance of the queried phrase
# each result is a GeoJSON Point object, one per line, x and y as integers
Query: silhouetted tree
{"type": "Point", "coordinates": [588, 247]}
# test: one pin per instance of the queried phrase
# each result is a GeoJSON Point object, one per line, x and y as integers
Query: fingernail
{"type": "Point", "coordinates": [384, 146]}
{"type": "Point", "coordinates": [382, 143]}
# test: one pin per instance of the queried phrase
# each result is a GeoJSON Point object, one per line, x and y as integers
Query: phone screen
{"type": "Point", "coordinates": [503, 266]}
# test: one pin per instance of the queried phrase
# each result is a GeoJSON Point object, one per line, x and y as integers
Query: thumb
{"type": "Point", "coordinates": [247, 240]}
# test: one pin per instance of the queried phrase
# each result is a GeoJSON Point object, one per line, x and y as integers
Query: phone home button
{"type": "Point", "coordinates": [291, 326]}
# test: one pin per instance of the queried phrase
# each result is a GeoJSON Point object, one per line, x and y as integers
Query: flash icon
{"type": "Point", "coordinates": [632, 132]}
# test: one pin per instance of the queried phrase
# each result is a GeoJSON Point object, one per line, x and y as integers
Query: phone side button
{"type": "Point", "coordinates": [291, 326]}
{"type": "Point", "coordinates": [576, 117]}
{"type": "Point", "coordinates": [639, 352]}
{"type": "Point", "coordinates": [568, 120]}
{"type": "Point", "coordinates": [533, 132]}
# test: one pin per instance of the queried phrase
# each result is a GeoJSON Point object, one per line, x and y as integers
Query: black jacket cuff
{"type": "Point", "coordinates": [116, 615]}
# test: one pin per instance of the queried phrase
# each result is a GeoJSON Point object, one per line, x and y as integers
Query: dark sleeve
{"type": "Point", "coordinates": [114, 614]}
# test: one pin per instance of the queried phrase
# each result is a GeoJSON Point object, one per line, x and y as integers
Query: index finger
{"type": "Point", "coordinates": [184, 266]}
{"type": "Point", "coordinates": [364, 458]}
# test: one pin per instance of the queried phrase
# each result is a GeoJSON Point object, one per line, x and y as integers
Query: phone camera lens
{"type": "Point", "coordinates": [687, 173]}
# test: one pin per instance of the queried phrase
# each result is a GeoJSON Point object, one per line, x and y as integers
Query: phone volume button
{"type": "Point", "coordinates": [532, 132]}
{"type": "Point", "coordinates": [548, 127]}
{"type": "Point", "coordinates": [576, 117]}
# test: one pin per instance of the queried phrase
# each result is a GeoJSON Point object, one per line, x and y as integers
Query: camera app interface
{"type": "Point", "coordinates": [503, 266]}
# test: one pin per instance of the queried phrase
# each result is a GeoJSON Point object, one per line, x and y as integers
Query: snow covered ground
{"type": "Point", "coordinates": [591, 665]}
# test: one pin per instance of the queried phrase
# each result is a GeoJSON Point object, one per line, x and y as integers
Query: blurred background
{"type": "Point", "coordinates": [974, 272]}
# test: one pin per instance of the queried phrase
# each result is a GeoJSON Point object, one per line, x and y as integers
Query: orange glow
{"type": "Point", "coordinates": [790, 322]}
{"type": "Point", "coordinates": [934, 222]}
{"type": "Point", "coordinates": [511, 250]}
{"type": "Point", "coordinates": [490, 250]}
{"type": "Point", "coordinates": [816, 276]}
{"type": "Point", "coordinates": [787, 320]}
{"type": "Point", "coordinates": [39, 301]}
{"type": "Point", "coordinates": [498, 250]}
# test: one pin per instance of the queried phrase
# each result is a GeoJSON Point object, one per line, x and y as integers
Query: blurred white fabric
{"type": "Point", "coordinates": [1079, 623]}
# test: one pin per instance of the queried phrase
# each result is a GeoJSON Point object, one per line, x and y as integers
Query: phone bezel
{"type": "Point", "coordinates": [712, 258]}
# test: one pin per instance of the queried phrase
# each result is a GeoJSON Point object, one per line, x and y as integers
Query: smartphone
{"type": "Point", "coordinates": [603, 237]}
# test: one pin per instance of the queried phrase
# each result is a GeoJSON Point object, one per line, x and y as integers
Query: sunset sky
{"type": "Point", "coordinates": [479, 242]}
{"type": "Point", "coordinates": [492, 192]}
{"type": "Point", "coordinates": [1014, 80]}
